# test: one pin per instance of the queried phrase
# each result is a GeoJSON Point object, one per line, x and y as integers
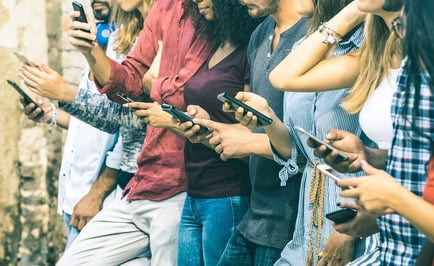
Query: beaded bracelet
{"type": "Point", "coordinates": [53, 119]}
{"type": "Point", "coordinates": [329, 35]}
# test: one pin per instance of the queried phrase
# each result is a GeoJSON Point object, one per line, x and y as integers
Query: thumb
{"type": "Point", "coordinates": [368, 169]}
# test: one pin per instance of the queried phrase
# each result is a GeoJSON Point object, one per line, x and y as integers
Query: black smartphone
{"type": "Point", "coordinates": [342, 156]}
{"type": "Point", "coordinates": [77, 6]}
{"type": "Point", "coordinates": [144, 99]}
{"type": "Point", "coordinates": [27, 98]}
{"type": "Point", "coordinates": [342, 216]}
{"type": "Point", "coordinates": [263, 120]}
{"type": "Point", "coordinates": [183, 117]}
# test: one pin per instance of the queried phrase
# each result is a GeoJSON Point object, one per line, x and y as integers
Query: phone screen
{"type": "Point", "coordinates": [263, 120]}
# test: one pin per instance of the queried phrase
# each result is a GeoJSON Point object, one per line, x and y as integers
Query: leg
{"type": "Point", "coordinates": [238, 252]}
{"type": "Point", "coordinates": [110, 238]}
{"type": "Point", "coordinates": [189, 237]}
{"type": "Point", "coordinates": [164, 217]}
{"type": "Point", "coordinates": [220, 218]}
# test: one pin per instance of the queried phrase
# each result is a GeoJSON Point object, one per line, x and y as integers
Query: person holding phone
{"type": "Point", "coordinates": [90, 163]}
{"type": "Point", "coordinates": [269, 221]}
{"type": "Point", "coordinates": [217, 190]}
{"type": "Point", "coordinates": [151, 208]}
{"type": "Point", "coordinates": [413, 135]}
{"type": "Point", "coordinates": [315, 240]}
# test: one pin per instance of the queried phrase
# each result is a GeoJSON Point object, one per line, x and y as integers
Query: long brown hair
{"type": "Point", "coordinates": [129, 25]}
{"type": "Point", "coordinates": [375, 61]}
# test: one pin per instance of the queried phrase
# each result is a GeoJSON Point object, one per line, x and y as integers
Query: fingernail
{"type": "Point", "coordinates": [363, 163]}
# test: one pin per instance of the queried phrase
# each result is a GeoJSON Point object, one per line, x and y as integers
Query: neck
{"type": "Point", "coordinates": [286, 16]}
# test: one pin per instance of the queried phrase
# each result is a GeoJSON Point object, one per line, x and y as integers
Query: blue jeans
{"type": "Point", "coordinates": [71, 232]}
{"type": "Point", "coordinates": [206, 226]}
{"type": "Point", "coordinates": [241, 252]}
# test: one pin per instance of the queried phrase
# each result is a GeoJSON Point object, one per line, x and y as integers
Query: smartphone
{"type": "Point", "coordinates": [330, 172]}
{"type": "Point", "coordinates": [263, 120]}
{"type": "Point", "coordinates": [27, 98]}
{"type": "Point", "coordinates": [77, 6]}
{"type": "Point", "coordinates": [145, 98]}
{"type": "Point", "coordinates": [342, 156]}
{"type": "Point", "coordinates": [23, 58]}
{"type": "Point", "coordinates": [342, 216]}
{"type": "Point", "coordinates": [183, 117]}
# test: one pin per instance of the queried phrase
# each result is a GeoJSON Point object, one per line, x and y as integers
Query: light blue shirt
{"type": "Point", "coordinates": [318, 113]}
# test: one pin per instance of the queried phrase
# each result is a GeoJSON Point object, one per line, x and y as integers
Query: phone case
{"type": "Point", "coordinates": [342, 215]}
{"type": "Point", "coordinates": [183, 117]}
{"type": "Point", "coordinates": [263, 120]}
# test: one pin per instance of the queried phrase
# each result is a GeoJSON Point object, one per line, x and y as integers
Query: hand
{"type": "Point", "coordinates": [152, 114]}
{"type": "Point", "coordinates": [255, 101]}
{"type": "Point", "coordinates": [34, 112]}
{"type": "Point", "coordinates": [154, 70]}
{"type": "Point", "coordinates": [375, 193]}
{"type": "Point", "coordinates": [77, 35]}
{"type": "Point", "coordinates": [338, 250]}
{"type": "Point", "coordinates": [44, 81]}
{"type": "Point", "coordinates": [228, 140]}
{"type": "Point", "coordinates": [363, 225]}
{"type": "Point", "coordinates": [345, 142]}
{"type": "Point", "coordinates": [190, 131]}
{"type": "Point", "coordinates": [85, 209]}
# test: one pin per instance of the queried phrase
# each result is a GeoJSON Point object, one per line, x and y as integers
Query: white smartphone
{"type": "Point", "coordinates": [342, 155]}
{"type": "Point", "coordinates": [329, 171]}
{"type": "Point", "coordinates": [23, 58]}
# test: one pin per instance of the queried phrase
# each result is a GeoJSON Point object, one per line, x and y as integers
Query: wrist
{"type": "Point", "coordinates": [53, 120]}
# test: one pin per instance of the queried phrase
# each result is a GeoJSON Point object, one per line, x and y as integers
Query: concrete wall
{"type": "Point", "coordinates": [31, 232]}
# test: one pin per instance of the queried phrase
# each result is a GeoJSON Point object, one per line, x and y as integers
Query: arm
{"type": "Point", "coordinates": [312, 72]}
{"type": "Point", "coordinates": [50, 112]}
{"type": "Point", "coordinates": [378, 193]}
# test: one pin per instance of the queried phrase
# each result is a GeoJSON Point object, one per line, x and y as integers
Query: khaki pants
{"type": "Point", "coordinates": [124, 230]}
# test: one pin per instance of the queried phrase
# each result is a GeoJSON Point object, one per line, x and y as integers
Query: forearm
{"type": "Point", "coordinates": [105, 183]}
{"type": "Point", "coordinates": [62, 119]}
{"type": "Point", "coordinates": [416, 210]}
{"type": "Point", "coordinates": [99, 64]}
{"type": "Point", "coordinates": [280, 138]}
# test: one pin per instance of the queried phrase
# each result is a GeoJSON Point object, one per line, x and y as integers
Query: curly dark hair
{"type": "Point", "coordinates": [231, 22]}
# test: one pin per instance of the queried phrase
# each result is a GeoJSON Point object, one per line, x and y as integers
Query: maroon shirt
{"type": "Point", "coordinates": [161, 172]}
{"type": "Point", "coordinates": [207, 175]}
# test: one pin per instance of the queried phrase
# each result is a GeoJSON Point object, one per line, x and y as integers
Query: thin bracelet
{"type": "Point", "coordinates": [330, 36]}
{"type": "Point", "coordinates": [53, 120]}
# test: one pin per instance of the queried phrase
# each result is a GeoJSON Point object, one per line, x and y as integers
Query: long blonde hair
{"type": "Point", "coordinates": [375, 61]}
{"type": "Point", "coordinates": [129, 26]}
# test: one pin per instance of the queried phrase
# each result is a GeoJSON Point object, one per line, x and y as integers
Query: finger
{"type": "Point", "coordinates": [350, 193]}
{"type": "Point", "coordinates": [74, 220]}
{"type": "Point", "coordinates": [212, 125]}
{"type": "Point", "coordinates": [349, 204]}
{"type": "Point", "coordinates": [186, 126]}
{"type": "Point", "coordinates": [227, 107]}
{"type": "Point", "coordinates": [353, 182]}
{"type": "Point", "coordinates": [138, 105]}
{"type": "Point", "coordinates": [335, 134]}
{"type": "Point", "coordinates": [82, 223]}
{"type": "Point", "coordinates": [368, 169]}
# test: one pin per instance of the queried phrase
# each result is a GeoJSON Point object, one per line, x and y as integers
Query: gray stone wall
{"type": "Point", "coordinates": [31, 232]}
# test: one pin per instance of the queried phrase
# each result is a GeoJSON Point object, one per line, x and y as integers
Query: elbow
{"type": "Point", "coordinates": [278, 81]}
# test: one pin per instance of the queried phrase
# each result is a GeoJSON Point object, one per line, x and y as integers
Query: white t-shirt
{"type": "Point", "coordinates": [375, 118]}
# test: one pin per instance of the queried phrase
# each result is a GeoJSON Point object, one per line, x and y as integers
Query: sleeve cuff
{"type": "Point", "coordinates": [113, 158]}
{"type": "Point", "coordinates": [290, 167]}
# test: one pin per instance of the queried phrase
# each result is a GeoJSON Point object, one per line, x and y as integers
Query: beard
{"type": "Point", "coordinates": [103, 13]}
{"type": "Point", "coordinates": [272, 6]}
